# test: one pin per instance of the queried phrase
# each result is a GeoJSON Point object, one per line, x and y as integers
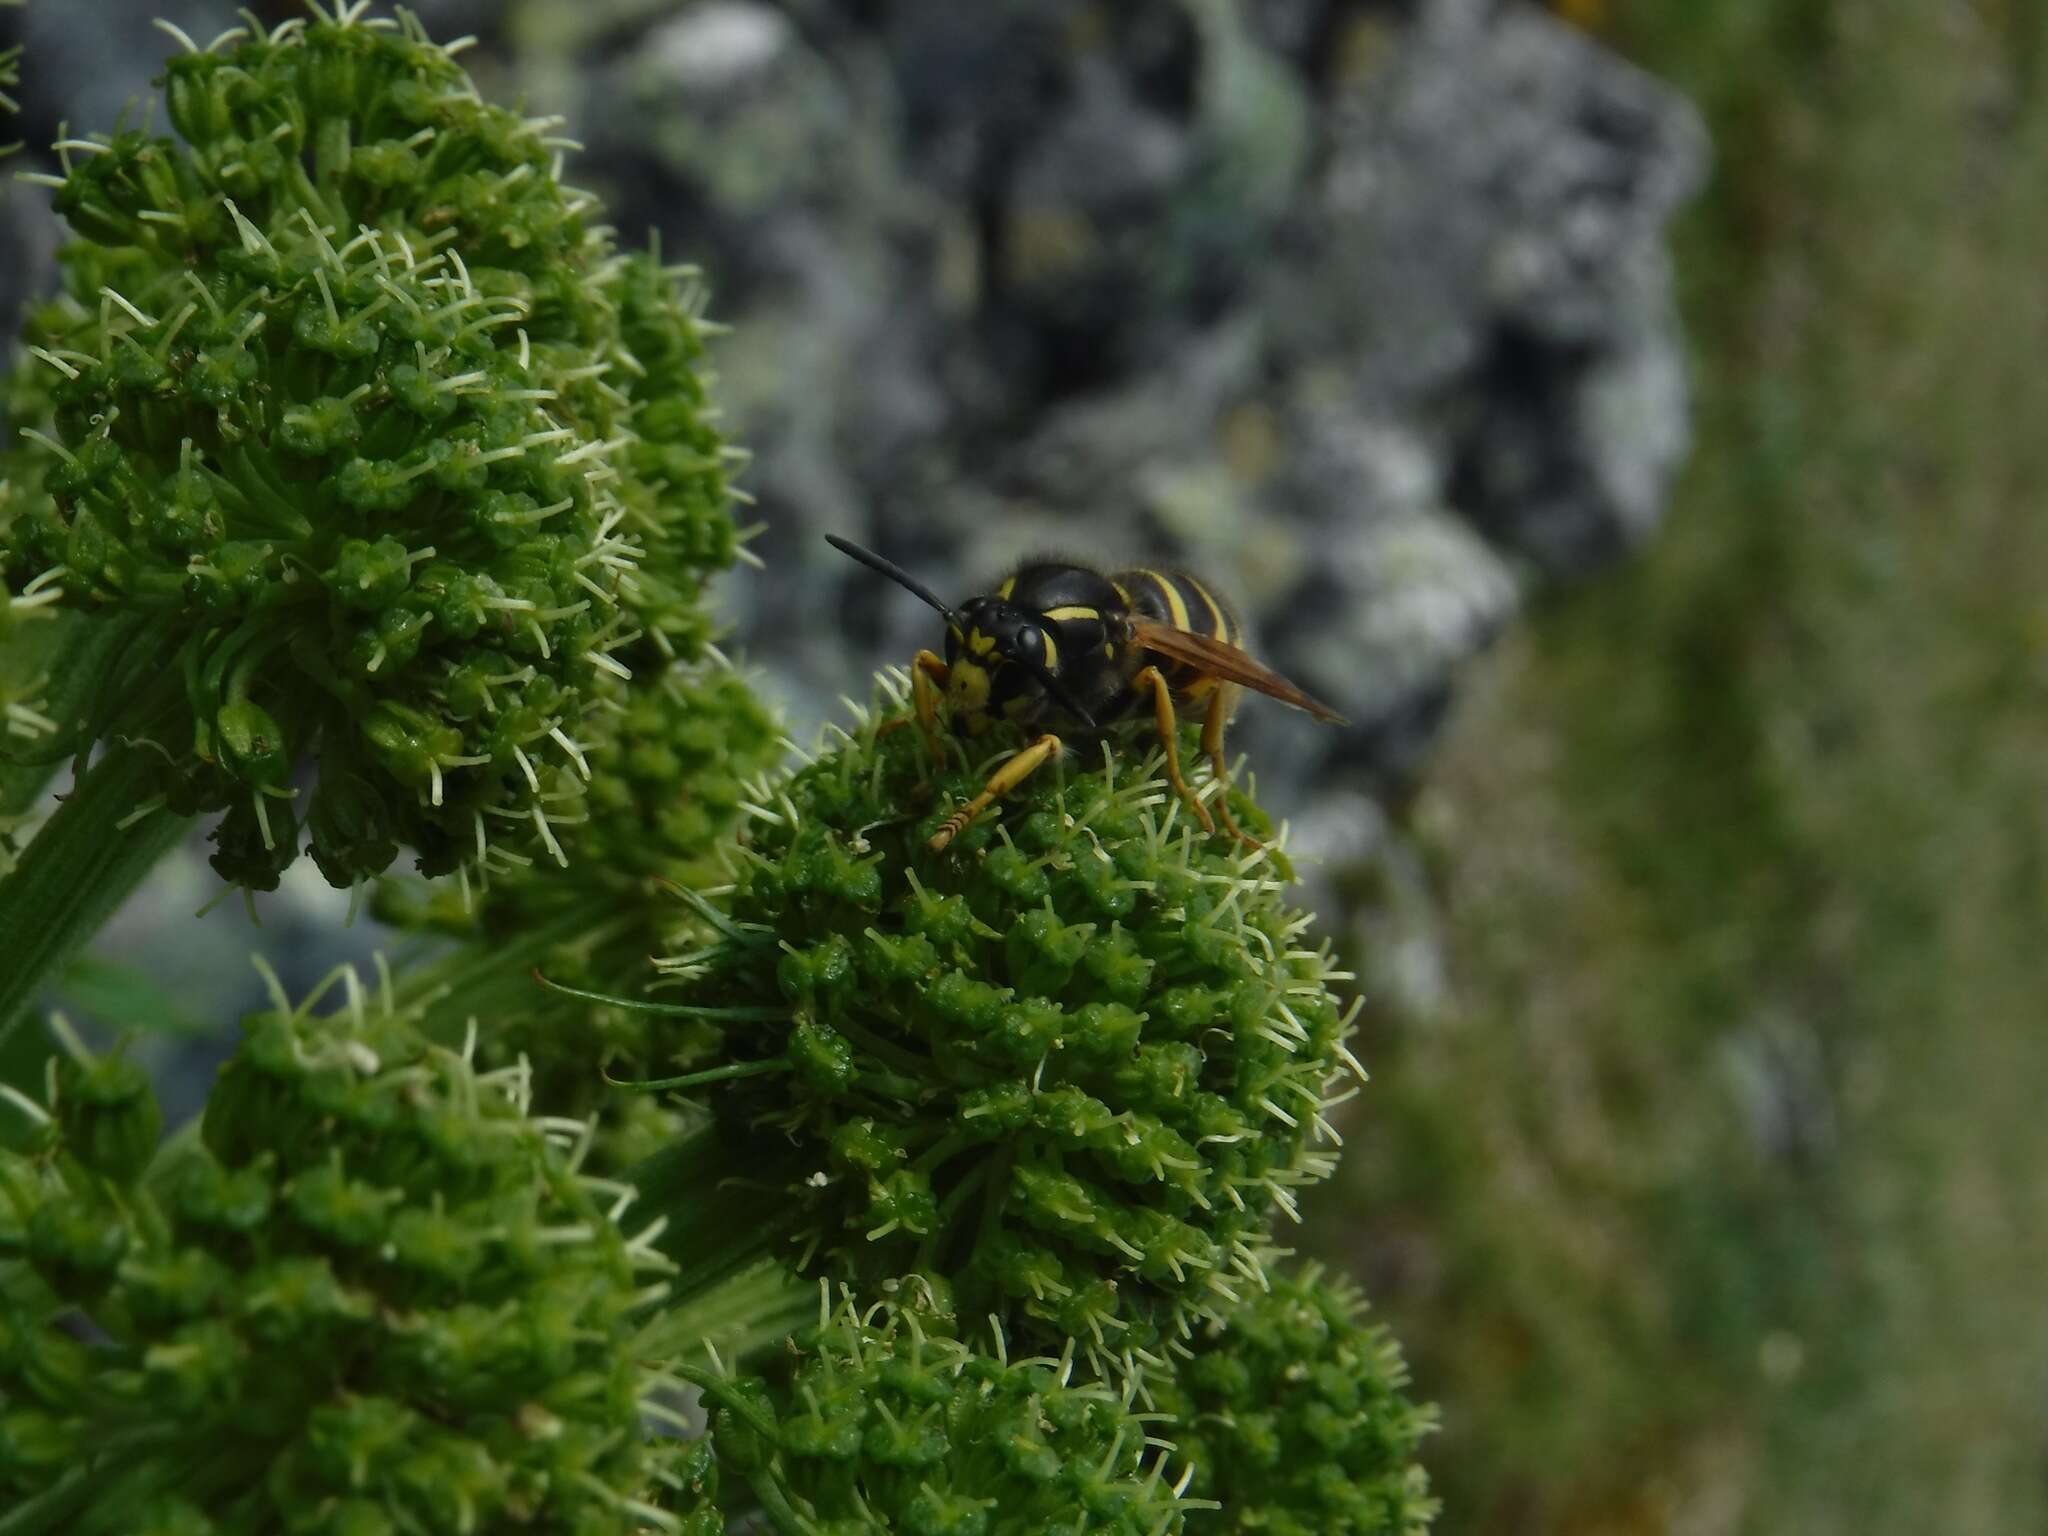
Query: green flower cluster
{"type": "Point", "coordinates": [1080, 1060]}
{"type": "Point", "coordinates": [395, 464]}
{"type": "Point", "coordinates": [667, 781]}
{"type": "Point", "coordinates": [354, 447]}
{"type": "Point", "coordinates": [380, 1298]}
{"type": "Point", "coordinates": [1291, 1412]}
{"type": "Point", "coordinates": [884, 1420]}
{"type": "Point", "coordinates": [668, 777]}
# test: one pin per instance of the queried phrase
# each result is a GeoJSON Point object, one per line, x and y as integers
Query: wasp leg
{"type": "Point", "coordinates": [928, 675]}
{"type": "Point", "coordinates": [1016, 768]}
{"type": "Point", "coordinates": [1212, 745]}
{"type": "Point", "coordinates": [1169, 733]}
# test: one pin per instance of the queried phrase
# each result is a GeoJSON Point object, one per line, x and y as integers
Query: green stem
{"type": "Point", "coordinates": [57, 1507]}
{"type": "Point", "coordinates": [480, 976]}
{"type": "Point", "coordinates": [76, 655]}
{"type": "Point", "coordinates": [672, 1010]}
{"type": "Point", "coordinates": [54, 1509]}
{"type": "Point", "coordinates": [755, 1309]}
{"type": "Point", "coordinates": [767, 1487]}
{"type": "Point", "coordinates": [725, 1074]}
{"type": "Point", "coordinates": [719, 1220]}
{"type": "Point", "coordinates": [80, 866]}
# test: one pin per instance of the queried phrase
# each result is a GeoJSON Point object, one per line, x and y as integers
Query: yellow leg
{"type": "Point", "coordinates": [927, 677]}
{"type": "Point", "coordinates": [1169, 738]}
{"type": "Point", "coordinates": [1016, 768]}
{"type": "Point", "coordinates": [1212, 746]}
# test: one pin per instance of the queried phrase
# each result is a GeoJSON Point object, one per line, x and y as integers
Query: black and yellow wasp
{"type": "Point", "coordinates": [1060, 644]}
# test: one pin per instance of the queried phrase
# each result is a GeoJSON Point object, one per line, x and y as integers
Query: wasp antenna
{"type": "Point", "coordinates": [890, 569]}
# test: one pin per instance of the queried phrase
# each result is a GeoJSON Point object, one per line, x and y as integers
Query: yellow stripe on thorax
{"type": "Point", "coordinates": [1072, 611]}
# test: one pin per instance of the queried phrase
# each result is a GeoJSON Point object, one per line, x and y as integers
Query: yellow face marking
{"type": "Point", "coordinates": [1052, 651]}
{"type": "Point", "coordinates": [1176, 607]}
{"type": "Point", "coordinates": [1072, 611]}
{"type": "Point", "coordinates": [979, 644]}
{"type": "Point", "coordinates": [1009, 585]}
{"type": "Point", "coordinates": [967, 687]}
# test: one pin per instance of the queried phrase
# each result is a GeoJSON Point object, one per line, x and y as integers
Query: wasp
{"type": "Point", "coordinates": [1060, 644]}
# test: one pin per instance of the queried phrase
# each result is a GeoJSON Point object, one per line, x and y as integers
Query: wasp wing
{"type": "Point", "coordinates": [1213, 658]}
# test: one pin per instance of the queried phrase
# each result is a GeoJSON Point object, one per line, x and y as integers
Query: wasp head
{"type": "Point", "coordinates": [1001, 661]}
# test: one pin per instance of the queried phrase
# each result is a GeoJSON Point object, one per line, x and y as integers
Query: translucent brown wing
{"type": "Point", "coordinates": [1212, 658]}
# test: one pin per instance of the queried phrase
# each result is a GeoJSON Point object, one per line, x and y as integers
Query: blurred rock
{"type": "Point", "coordinates": [1548, 172]}
{"type": "Point", "coordinates": [29, 235]}
{"type": "Point", "coordinates": [1363, 310]}
{"type": "Point", "coordinates": [90, 66]}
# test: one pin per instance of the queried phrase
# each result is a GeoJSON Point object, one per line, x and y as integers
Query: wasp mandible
{"type": "Point", "coordinates": [1060, 644]}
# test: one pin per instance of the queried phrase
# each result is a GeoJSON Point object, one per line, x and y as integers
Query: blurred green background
{"type": "Point", "coordinates": [1714, 1198]}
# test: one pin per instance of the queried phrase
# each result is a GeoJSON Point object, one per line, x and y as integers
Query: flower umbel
{"type": "Point", "coordinates": [1291, 1409]}
{"type": "Point", "coordinates": [366, 494]}
{"type": "Point", "coordinates": [885, 1420]}
{"type": "Point", "coordinates": [400, 462]}
{"type": "Point", "coordinates": [380, 1297]}
{"type": "Point", "coordinates": [1080, 1059]}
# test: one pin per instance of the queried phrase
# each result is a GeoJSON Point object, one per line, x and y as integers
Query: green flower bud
{"type": "Point", "coordinates": [884, 1419]}
{"type": "Point", "coordinates": [1080, 1059]}
{"type": "Point", "coordinates": [368, 577]}
{"type": "Point", "coordinates": [1292, 1410]}
{"type": "Point", "coordinates": [352, 826]}
{"type": "Point", "coordinates": [379, 1296]}
{"type": "Point", "coordinates": [107, 1115]}
{"type": "Point", "coordinates": [172, 1517]}
{"type": "Point", "coordinates": [349, 329]}
{"type": "Point", "coordinates": [251, 743]}
{"type": "Point", "coordinates": [35, 1446]}
{"type": "Point", "coordinates": [669, 771]}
